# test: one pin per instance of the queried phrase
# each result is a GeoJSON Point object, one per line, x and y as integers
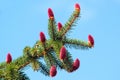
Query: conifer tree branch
{"type": "Point", "coordinates": [22, 66]}
{"type": "Point", "coordinates": [78, 44]}
{"type": "Point", "coordinates": [52, 29]}
{"type": "Point", "coordinates": [28, 62]}
{"type": "Point", "coordinates": [53, 51]}
{"type": "Point", "coordinates": [44, 69]}
{"type": "Point", "coordinates": [67, 62]}
{"type": "Point", "coordinates": [70, 23]}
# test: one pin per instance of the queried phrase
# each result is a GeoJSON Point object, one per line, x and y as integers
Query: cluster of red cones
{"type": "Point", "coordinates": [62, 56]}
{"type": "Point", "coordinates": [63, 52]}
{"type": "Point", "coordinates": [90, 38]}
{"type": "Point", "coordinates": [51, 14]}
{"type": "Point", "coordinates": [75, 66]}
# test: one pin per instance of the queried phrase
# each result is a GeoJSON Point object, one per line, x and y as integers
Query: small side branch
{"type": "Point", "coordinates": [70, 23]}
{"type": "Point", "coordinates": [76, 44]}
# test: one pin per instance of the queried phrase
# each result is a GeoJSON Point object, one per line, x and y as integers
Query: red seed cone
{"type": "Point", "coordinates": [8, 58]}
{"type": "Point", "coordinates": [62, 53]}
{"type": "Point", "coordinates": [50, 14]}
{"type": "Point", "coordinates": [77, 7]}
{"type": "Point", "coordinates": [42, 37]}
{"type": "Point", "coordinates": [76, 64]}
{"type": "Point", "coordinates": [59, 26]}
{"type": "Point", "coordinates": [90, 40]}
{"type": "Point", "coordinates": [53, 71]}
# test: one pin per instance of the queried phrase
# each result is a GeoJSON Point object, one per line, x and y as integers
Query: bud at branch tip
{"type": "Point", "coordinates": [50, 14]}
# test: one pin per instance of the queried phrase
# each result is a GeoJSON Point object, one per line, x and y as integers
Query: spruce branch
{"type": "Point", "coordinates": [51, 25]}
{"type": "Point", "coordinates": [25, 63]}
{"type": "Point", "coordinates": [44, 69]}
{"type": "Point", "coordinates": [52, 29]}
{"type": "Point", "coordinates": [77, 44]}
{"type": "Point", "coordinates": [52, 51]}
{"type": "Point", "coordinates": [35, 65]}
{"type": "Point", "coordinates": [70, 22]}
{"type": "Point", "coordinates": [67, 62]}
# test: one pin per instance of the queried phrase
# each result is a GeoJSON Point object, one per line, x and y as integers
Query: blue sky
{"type": "Point", "coordinates": [21, 21]}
